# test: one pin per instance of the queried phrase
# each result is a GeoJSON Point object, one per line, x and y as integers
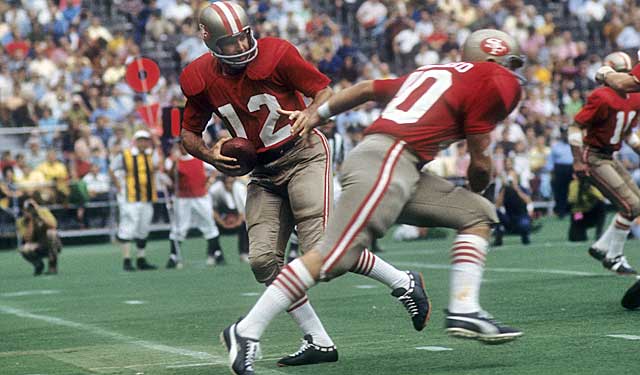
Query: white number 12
{"type": "Point", "coordinates": [267, 135]}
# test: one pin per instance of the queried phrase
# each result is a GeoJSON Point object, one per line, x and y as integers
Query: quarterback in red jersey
{"type": "Point", "coordinates": [425, 110]}
{"type": "Point", "coordinates": [606, 120]}
{"type": "Point", "coordinates": [246, 82]}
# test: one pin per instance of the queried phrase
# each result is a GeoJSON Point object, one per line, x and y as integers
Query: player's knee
{"type": "Point", "coordinates": [141, 243]}
{"type": "Point", "coordinates": [265, 267]}
{"type": "Point", "coordinates": [633, 211]}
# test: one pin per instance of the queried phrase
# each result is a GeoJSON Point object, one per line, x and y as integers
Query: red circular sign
{"type": "Point", "coordinates": [494, 46]}
{"type": "Point", "coordinates": [142, 74]}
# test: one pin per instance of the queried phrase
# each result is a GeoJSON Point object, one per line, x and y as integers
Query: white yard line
{"type": "Point", "coordinates": [113, 335]}
{"type": "Point", "coordinates": [506, 270]}
{"type": "Point", "coordinates": [625, 337]}
{"type": "Point", "coordinates": [210, 359]}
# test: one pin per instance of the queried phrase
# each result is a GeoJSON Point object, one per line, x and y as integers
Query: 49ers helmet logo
{"type": "Point", "coordinates": [204, 34]}
{"type": "Point", "coordinates": [494, 46]}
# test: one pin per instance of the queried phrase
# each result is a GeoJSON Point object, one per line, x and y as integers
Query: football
{"type": "Point", "coordinates": [241, 149]}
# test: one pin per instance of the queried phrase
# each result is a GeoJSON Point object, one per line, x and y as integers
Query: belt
{"type": "Point", "coordinates": [597, 150]}
{"type": "Point", "coordinates": [269, 156]}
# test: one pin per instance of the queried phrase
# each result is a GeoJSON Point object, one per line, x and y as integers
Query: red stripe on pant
{"type": "Point", "coordinates": [360, 211]}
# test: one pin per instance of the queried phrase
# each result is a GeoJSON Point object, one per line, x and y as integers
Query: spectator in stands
{"type": "Point", "coordinates": [8, 190]}
{"type": "Point", "coordinates": [191, 46]}
{"type": "Point", "coordinates": [97, 184]}
{"type": "Point", "coordinates": [133, 174]}
{"type": "Point", "coordinates": [229, 195]}
{"type": "Point", "coordinates": [85, 147]}
{"type": "Point", "coordinates": [158, 28]}
{"type": "Point", "coordinates": [38, 231]}
{"type": "Point", "coordinates": [36, 155]}
{"type": "Point", "coordinates": [34, 185]}
{"type": "Point", "coordinates": [56, 174]}
{"type": "Point", "coordinates": [102, 129]}
{"type": "Point", "coordinates": [371, 15]}
{"type": "Point", "coordinates": [587, 209]}
{"type": "Point", "coordinates": [562, 165]}
{"type": "Point", "coordinates": [514, 206]}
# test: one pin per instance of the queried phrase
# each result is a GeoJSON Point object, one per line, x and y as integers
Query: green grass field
{"type": "Point", "coordinates": [93, 318]}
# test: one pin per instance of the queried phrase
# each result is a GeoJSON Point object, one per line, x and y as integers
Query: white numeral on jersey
{"type": "Point", "coordinates": [623, 120]}
{"type": "Point", "coordinates": [267, 135]}
{"type": "Point", "coordinates": [424, 102]}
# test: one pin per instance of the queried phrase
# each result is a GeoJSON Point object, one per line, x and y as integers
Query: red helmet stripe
{"type": "Point", "coordinates": [236, 18]}
{"type": "Point", "coordinates": [216, 7]}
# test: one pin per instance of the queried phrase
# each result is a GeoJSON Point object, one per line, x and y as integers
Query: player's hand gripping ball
{"type": "Point", "coordinates": [241, 149]}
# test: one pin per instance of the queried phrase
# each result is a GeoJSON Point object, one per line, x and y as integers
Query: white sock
{"type": "Point", "coordinates": [371, 265]}
{"type": "Point", "coordinates": [290, 285]}
{"type": "Point", "coordinates": [140, 253]}
{"type": "Point", "coordinates": [302, 312]}
{"type": "Point", "coordinates": [604, 241]}
{"type": "Point", "coordinates": [467, 259]}
{"type": "Point", "coordinates": [621, 227]}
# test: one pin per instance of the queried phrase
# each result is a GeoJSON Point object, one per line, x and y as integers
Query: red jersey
{"type": "Point", "coordinates": [437, 105]}
{"type": "Point", "coordinates": [192, 180]}
{"type": "Point", "coordinates": [636, 71]}
{"type": "Point", "coordinates": [248, 101]}
{"type": "Point", "coordinates": [608, 116]}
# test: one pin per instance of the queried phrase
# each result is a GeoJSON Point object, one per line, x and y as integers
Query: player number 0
{"type": "Point", "coordinates": [424, 102]}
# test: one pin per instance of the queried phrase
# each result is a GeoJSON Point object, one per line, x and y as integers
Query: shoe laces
{"type": "Point", "coordinates": [407, 298]}
{"type": "Point", "coordinates": [622, 260]}
{"type": "Point", "coordinates": [306, 345]}
{"type": "Point", "coordinates": [252, 353]}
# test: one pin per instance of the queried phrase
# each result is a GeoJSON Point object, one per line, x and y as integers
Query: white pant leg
{"type": "Point", "coordinates": [202, 207]}
{"type": "Point", "coordinates": [182, 219]}
{"type": "Point", "coordinates": [144, 216]}
{"type": "Point", "coordinates": [128, 221]}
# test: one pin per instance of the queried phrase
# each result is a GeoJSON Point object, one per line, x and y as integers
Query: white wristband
{"type": "Point", "coordinates": [324, 111]}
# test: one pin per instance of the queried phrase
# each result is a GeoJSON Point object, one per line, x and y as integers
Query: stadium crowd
{"type": "Point", "coordinates": [63, 63]}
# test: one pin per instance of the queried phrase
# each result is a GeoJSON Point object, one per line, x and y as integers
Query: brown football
{"type": "Point", "coordinates": [241, 149]}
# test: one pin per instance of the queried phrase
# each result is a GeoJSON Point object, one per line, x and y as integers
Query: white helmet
{"type": "Point", "coordinates": [222, 20]}
{"type": "Point", "coordinates": [619, 61]}
{"type": "Point", "coordinates": [492, 45]}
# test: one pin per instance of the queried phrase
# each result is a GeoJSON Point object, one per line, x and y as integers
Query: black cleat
{"type": "Point", "coordinates": [415, 300]}
{"type": "Point", "coordinates": [618, 265]}
{"type": "Point", "coordinates": [127, 266]}
{"type": "Point", "coordinates": [597, 254]}
{"type": "Point", "coordinates": [243, 351]}
{"type": "Point", "coordinates": [143, 265]}
{"type": "Point", "coordinates": [480, 326]}
{"type": "Point", "coordinates": [172, 264]}
{"type": "Point", "coordinates": [631, 299]}
{"type": "Point", "coordinates": [310, 354]}
{"type": "Point", "coordinates": [218, 256]}
{"type": "Point", "coordinates": [38, 267]}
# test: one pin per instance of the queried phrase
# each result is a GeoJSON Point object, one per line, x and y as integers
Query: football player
{"type": "Point", "coordinates": [606, 120]}
{"type": "Point", "coordinates": [620, 81]}
{"type": "Point", "coordinates": [425, 111]}
{"type": "Point", "coordinates": [246, 82]}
